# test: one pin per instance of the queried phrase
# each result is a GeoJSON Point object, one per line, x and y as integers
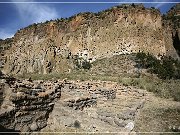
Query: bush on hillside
{"type": "Point", "coordinates": [165, 68]}
{"type": "Point", "coordinates": [81, 63]}
{"type": "Point", "coordinates": [86, 65]}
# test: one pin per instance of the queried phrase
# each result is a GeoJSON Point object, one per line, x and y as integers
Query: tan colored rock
{"type": "Point", "coordinates": [44, 48]}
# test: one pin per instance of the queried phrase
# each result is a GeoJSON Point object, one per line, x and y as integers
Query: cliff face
{"type": "Point", "coordinates": [172, 25]}
{"type": "Point", "coordinates": [52, 46]}
{"type": "Point", "coordinates": [4, 46]}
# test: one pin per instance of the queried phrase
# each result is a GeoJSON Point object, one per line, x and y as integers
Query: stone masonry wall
{"type": "Point", "coordinates": [26, 105]}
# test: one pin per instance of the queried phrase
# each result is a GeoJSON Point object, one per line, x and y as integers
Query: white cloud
{"type": "Point", "coordinates": [158, 5]}
{"type": "Point", "coordinates": [33, 13]}
{"type": "Point", "coordinates": [29, 13]}
{"type": "Point", "coordinates": [5, 34]}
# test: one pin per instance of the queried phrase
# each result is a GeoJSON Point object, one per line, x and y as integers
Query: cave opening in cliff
{"type": "Point", "coordinates": [176, 43]}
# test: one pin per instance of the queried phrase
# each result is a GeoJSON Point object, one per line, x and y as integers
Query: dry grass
{"type": "Point", "coordinates": [75, 75]}
{"type": "Point", "coordinates": [158, 115]}
{"type": "Point", "coordinates": [113, 69]}
{"type": "Point", "coordinates": [162, 88]}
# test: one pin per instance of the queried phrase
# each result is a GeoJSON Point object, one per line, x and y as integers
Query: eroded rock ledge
{"type": "Point", "coordinates": [27, 104]}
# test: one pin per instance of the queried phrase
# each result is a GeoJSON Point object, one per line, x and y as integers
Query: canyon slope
{"type": "Point", "coordinates": [42, 92]}
{"type": "Point", "coordinates": [52, 46]}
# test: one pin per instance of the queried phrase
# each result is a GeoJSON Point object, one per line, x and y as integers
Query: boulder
{"type": "Point", "coordinates": [34, 126]}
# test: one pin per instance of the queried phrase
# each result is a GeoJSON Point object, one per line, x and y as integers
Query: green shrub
{"type": "Point", "coordinates": [86, 65]}
{"type": "Point", "coordinates": [81, 63]}
{"type": "Point", "coordinates": [165, 68]}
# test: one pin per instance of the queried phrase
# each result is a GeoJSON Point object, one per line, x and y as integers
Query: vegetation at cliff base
{"type": "Point", "coordinates": [168, 71]}
{"type": "Point", "coordinates": [108, 69]}
{"type": "Point", "coordinates": [81, 63]}
{"type": "Point", "coordinates": [165, 67]}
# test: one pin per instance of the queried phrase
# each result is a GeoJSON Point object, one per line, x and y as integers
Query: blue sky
{"type": "Point", "coordinates": [14, 16]}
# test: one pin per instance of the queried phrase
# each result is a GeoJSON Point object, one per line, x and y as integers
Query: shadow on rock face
{"type": "Point", "coordinates": [5, 131]}
{"type": "Point", "coordinates": [1, 74]}
{"type": "Point", "coordinates": [176, 43]}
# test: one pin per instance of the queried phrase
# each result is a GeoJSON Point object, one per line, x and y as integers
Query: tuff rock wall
{"type": "Point", "coordinates": [52, 46]}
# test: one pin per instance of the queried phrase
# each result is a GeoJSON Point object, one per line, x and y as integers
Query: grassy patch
{"type": "Point", "coordinates": [158, 119]}
{"type": "Point", "coordinates": [113, 69]}
{"type": "Point", "coordinates": [76, 75]}
{"type": "Point", "coordinates": [165, 68]}
{"type": "Point", "coordinates": [162, 88]}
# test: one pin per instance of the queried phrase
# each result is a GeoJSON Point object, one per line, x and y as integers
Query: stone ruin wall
{"type": "Point", "coordinates": [35, 105]}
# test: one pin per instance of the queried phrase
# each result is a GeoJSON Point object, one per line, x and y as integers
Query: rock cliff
{"type": "Point", "coordinates": [52, 46]}
{"type": "Point", "coordinates": [4, 46]}
{"type": "Point", "coordinates": [172, 23]}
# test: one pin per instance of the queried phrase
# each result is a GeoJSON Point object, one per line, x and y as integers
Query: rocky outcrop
{"type": "Point", "coordinates": [80, 103]}
{"type": "Point", "coordinates": [1, 92]}
{"type": "Point", "coordinates": [4, 46]}
{"type": "Point", "coordinates": [172, 27]}
{"type": "Point", "coordinates": [26, 105]}
{"type": "Point", "coordinates": [52, 46]}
